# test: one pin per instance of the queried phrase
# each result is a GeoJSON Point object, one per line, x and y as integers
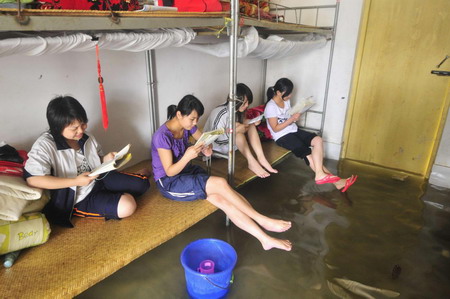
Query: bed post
{"type": "Point", "coordinates": [151, 83]}
{"type": "Point", "coordinates": [330, 63]}
{"type": "Point", "coordinates": [232, 91]}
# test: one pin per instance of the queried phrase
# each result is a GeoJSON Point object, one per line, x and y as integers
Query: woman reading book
{"type": "Point", "coordinates": [246, 134]}
{"type": "Point", "coordinates": [287, 134]}
{"type": "Point", "coordinates": [61, 160]}
{"type": "Point", "coordinates": [178, 179]}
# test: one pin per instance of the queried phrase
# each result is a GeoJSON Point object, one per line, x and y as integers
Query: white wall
{"type": "Point", "coordinates": [183, 71]}
{"type": "Point", "coordinates": [440, 173]}
{"type": "Point", "coordinates": [27, 84]}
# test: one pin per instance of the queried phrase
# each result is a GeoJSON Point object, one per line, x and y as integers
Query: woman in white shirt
{"type": "Point", "coordinates": [246, 134]}
{"type": "Point", "coordinates": [303, 144]}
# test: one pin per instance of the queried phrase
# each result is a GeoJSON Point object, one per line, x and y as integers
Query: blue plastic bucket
{"type": "Point", "coordinates": [214, 285]}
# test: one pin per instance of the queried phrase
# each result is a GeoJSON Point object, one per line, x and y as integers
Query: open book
{"type": "Point", "coordinates": [210, 137]}
{"type": "Point", "coordinates": [254, 120]}
{"type": "Point", "coordinates": [302, 106]}
{"type": "Point", "coordinates": [120, 159]}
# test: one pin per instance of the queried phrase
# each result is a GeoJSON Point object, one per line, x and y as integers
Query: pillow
{"type": "Point", "coordinates": [30, 230]}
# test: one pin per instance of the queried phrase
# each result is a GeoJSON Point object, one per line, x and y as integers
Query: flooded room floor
{"type": "Point", "coordinates": [387, 237]}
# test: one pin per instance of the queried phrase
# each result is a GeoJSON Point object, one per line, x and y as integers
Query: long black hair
{"type": "Point", "coordinates": [187, 104]}
{"type": "Point", "coordinates": [242, 91]}
{"type": "Point", "coordinates": [283, 85]}
{"type": "Point", "coordinates": [61, 112]}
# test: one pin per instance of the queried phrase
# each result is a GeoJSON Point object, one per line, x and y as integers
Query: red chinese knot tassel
{"type": "Point", "coordinates": [102, 91]}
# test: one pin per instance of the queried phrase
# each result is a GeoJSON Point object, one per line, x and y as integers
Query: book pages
{"type": "Point", "coordinates": [254, 120]}
{"type": "Point", "coordinates": [120, 159]}
{"type": "Point", "coordinates": [209, 137]}
{"type": "Point", "coordinates": [302, 106]}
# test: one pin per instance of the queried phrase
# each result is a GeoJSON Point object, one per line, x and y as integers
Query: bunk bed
{"type": "Point", "coordinates": [75, 259]}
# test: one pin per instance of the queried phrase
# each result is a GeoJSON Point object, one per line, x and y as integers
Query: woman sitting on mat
{"type": "Point", "coordinates": [286, 134]}
{"type": "Point", "coordinates": [178, 179]}
{"type": "Point", "coordinates": [219, 118]}
{"type": "Point", "coordinates": [61, 160]}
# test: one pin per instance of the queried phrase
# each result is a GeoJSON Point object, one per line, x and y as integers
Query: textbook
{"type": "Point", "coordinates": [120, 159]}
{"type": "Point", "coordinates": [254, 120]}
{"type": "Point", "coordinates": [302, 106]}
{"type": "Point", "coordinates": [210, 137]}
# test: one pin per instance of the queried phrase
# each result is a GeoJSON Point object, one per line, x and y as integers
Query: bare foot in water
{"type": "Point", "coordinates": [276, 243]}
{"type": "Point", "coordinates": [266, 165]}
{"type": "Point", "coordinates": [275, 225]}
{"type": "Point", "coordinates": [257, 169]}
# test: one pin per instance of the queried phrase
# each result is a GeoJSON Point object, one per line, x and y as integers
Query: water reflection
{"type": "Point", "coordinates": [384, 223]}
{"type": "Point", "coordinates": [312, 211]}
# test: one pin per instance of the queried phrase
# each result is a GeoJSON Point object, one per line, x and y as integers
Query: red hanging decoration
{"type": "Point", "coordinates": [102, 91]}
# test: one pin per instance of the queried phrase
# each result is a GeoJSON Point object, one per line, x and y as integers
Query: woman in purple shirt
{"type": "Point", "coordinates": [178, 179]}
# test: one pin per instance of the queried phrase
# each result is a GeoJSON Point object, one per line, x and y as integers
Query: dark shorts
{"type": "Point", "coordinates": [103, 200]}
{"type": "Point", "coordinates": [299, 143]}
{"type": "Point", "coordinates": [188, 185]}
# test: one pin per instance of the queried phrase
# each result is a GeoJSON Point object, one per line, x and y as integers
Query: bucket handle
{"type": "Point", "coordinates": [220, 287]}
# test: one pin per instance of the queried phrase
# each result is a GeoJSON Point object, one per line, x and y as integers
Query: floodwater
{"type": "Point", "coordinates": [387, 237]}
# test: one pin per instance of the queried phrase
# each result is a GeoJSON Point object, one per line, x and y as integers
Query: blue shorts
{"type": "Point", "coordinates": [188, 185]}
{"type": "Point", "coordinates": [103, 200]}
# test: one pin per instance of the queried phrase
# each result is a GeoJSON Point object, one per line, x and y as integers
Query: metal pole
{"type": "Point", "coordinates": [330, 62]}
{"type": "Point", "coordinates": [232, 91]}
{"type": "Point", "coordinates": [264, 78]}
{"type": "Point", "coordinates": [152, 105]}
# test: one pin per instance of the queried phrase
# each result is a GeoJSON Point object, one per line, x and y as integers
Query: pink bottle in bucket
{"type": "Point", "coordinates": [206, 267]}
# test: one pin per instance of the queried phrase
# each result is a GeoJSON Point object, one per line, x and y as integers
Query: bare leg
{"type": "Point", "coordinates": [126, 206]}
{"type": "Point", "coordinates": [253, 164]}
{"type": "Point", "coordinates": [245, 223]}
{"type": "Point", "coordinates": [317, 157]}
{"type": "Point", "coordinates": [219, 186]}
{"type": "Point", "coordinates": [255, 142]}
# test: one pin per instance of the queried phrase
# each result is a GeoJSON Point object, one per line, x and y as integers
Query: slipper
{"type": "Point", "coordinates": [349, 182]}
{"type": "Point", "coordinates": [328, 179]}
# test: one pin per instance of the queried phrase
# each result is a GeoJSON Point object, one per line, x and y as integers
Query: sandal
{"type": "Point", "coordinates": [328, 179]}
{"type": "Point", "coordinates": [349, 182]}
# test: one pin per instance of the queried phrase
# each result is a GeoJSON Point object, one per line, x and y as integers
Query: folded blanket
{"type": "Point", "coordinates": [11, 208]}
{"type": "Point", "coordinates": [16, 198]}
{"type": "Point", "coordinates": [17, 187]}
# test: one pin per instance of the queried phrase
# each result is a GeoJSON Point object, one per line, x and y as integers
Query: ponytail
{"type": "Point", "coordinates": [270, 93]}
{"type": "Point", "coordinates": [171, 111]}
{"type": "Point", "coordinates": [283, 85]}
{"type": "Point", "coordinates": [187, 104]}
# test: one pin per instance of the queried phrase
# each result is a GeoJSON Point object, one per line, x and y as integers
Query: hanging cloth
{"type": "Point", "coordinates": [102, 90]}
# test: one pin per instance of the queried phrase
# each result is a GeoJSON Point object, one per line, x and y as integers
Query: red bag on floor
{"type": "Point", "coordinates": [90, 4]}
{"type": "Point", "coordinates": [198, 5]}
